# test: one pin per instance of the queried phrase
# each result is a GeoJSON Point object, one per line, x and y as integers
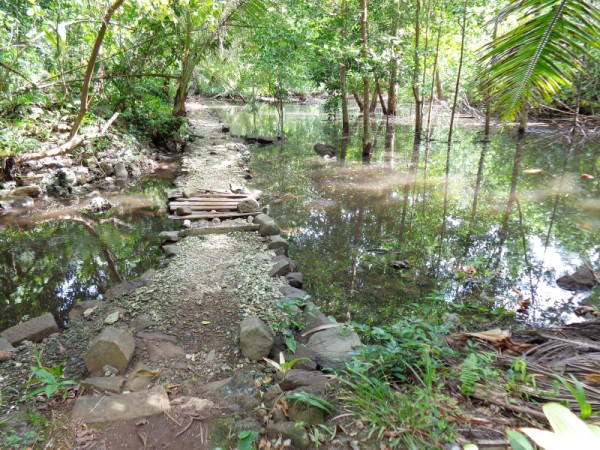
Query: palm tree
{"type": "Point", "coordinates": [532, 62]}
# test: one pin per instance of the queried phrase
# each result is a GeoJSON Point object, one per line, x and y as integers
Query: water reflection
{"type": "Point", "coordinates": [470, 219]}
{"type": "Point", "coordinates": [53, 259]}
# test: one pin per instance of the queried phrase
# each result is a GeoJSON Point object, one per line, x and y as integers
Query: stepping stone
{"type": "Point", "coordinates": [121, 407]}
{"type": "Point", "coordinates": [109, 384]}
{"type": "Point", "coordinates": [114, 347]}
{"type": "Point", "coordinates": [33, 330]}
{"type": "Point", "coordinates": [256, 339]}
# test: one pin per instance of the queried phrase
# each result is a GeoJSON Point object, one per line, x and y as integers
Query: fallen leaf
{"type": "Point", "coordinates": [587, 176]}
{"type": "Point", "coordinates": [593, 377]}
{"type": "Point", "coordinates": [205, 322]}
{"type": "Point", "coordinates": [142, 422]}
{"type": "Point", "coordinates": [144, 437]}
{"type": "Point", "coordinates": [532, 171]}
{"type": "Point", "coordinates": [284, 198]}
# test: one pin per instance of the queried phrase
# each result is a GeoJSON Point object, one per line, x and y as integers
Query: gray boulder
{"type": "Point", "coordinates": [281, 269]}
{"type": "Point", "coordinates": [248, 205]}
{"type": "Point", "coordinates": [267, 226]}
{"type": "Point", "coordinates": [114, 347]}
{"type": "Point", "coordinates": [33, 330]}
{"type": "Point", "coordinates": [582, 280]}
{"type": "Point", "coordinates": [256, 339]}
{"type": "Point", "coordinates": [333, 346]}
{"type": "Point", "coordinates": [289, 430]}
{"type": "Point", "coordinates": [324, 150]}
{"type": "Point", "coordinates": [295, 279]}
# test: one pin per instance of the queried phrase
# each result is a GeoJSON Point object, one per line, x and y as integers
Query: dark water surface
{"type": "Point", "coordinates": [480, 226]}
{"type": "Point", "coordinates": [50, 260]}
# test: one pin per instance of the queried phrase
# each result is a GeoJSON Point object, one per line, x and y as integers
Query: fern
{"type": "Point", "coordinates": [469, 374]}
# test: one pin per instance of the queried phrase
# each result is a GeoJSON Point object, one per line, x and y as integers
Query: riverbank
{"type": "Point", "coordinates": [174, 337]}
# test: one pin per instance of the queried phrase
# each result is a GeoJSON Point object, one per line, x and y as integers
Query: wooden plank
{"type": "Point", "coordinates": [234, 204]}
{"type": "Point", "coordinates": [204, 208]}
{"type": "Point", "coordinates": [213, 215]}
{"type": "Point", "coordinates": [210, 199]}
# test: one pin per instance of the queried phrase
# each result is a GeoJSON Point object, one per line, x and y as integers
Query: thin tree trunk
{"type": "Point", "coordinates": [365, 54]}
{"type": "Point", "coordinates": [523, 120]}
{"type": "Point", "coordinates": [345, 118]}
{"type": "Point", "coordinates": [85, 88]}
{"type": "Point", "coordinates": [393, 86]}
{"type": "Point", "coordinates": [578, 107]}
{"type": "Point", "coordinates": [359, 101]}
{"type": "Point", "coordinates": [488, 97]}
{"type": "Point", "coordinates": [416, 73]}
{"type": "Point", "coordinates": [438, 86]}
{"type": "Point", "coordinates": [425, 57]}
{"type": "Point", "coordinates": [380, 96]}
{"type": "Point", "coordinates": [460, 64]}
{"type": "Point", "coordinates": [433, 78]}
{"type": "Point", "coordinates": [374, 99]}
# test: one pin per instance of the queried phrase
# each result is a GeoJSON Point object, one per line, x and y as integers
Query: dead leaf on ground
{"type": "Point", "coordinates": [284, 198]}
{"type": "Point", "coordinates": [587, 176]}
{"type": "Point", "coordinates": [500, 339]}
{"type": "Point", "coordinates": [532, 171]}
{"type": "Point", "coordinates": [592, 377]}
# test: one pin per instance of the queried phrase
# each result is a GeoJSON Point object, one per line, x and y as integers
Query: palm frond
{"type": "Point", "coordinates": [539, 57]}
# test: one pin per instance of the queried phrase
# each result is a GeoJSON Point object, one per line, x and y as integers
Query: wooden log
{"type": "Point", "coordinates": [211, 198]}
{"type": "Point", "coordinates": [206, 208]}
{"type": "Point", "coordinates": [213, 215]}
{"type": "Point", "coordinates": [203, 203]}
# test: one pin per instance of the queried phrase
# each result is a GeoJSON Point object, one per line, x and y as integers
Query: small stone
{"type": "Point", "coordinates": [187, 223]}
{"type": "Point", "coordinates": [248, 205]}
{"type": "Point", "coordinates": [171, 250]}
{"type": "Point", "coordinates": [216, 221]}
{"type": "Point", "coordinates": [277, 242]}
{"type": "Point", "coordinates": [170, 236]}
{"type": "Point", "coordinates": [109, 384]}
{"type": "Point", "coordinates": [268, 227]}
{"type": "Point", "coordinates": [280, 269]}
{"type": "Point", "coordinates": [6, 346]}
{"type": "Point", "coordinates": [296, 378]}
{"type": "Point", "coordinates": [289, 430]}
{"type": "Point", "coordinates": [121, 171]}
{"type": "Point", "coordinates": [111, 319]}
{"type": "Point", "coordinates": [81, 308]}
{"type": "Point", "coordinates": [184, 211]}
{"type": "Point", "coordinates": [295, 279]}
{"type": "Point", "coordinates": [5, 355]}
{"type": "Point", "coordinates": [256, 339]}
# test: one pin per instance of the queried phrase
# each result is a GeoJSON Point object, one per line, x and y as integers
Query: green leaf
{"type": "Point", "coordinates": [246, 439]}
{"type": "Point", "coordinates": [518, 441]}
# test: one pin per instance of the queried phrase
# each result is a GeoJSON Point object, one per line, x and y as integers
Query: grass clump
{"type": "Point", "coordinates": [394, 385]}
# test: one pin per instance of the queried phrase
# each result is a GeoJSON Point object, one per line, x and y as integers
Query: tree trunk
{"type": "Point", "coordinates": [374, 99]}
{"type": "Point", "coordinates": [523, 120]}
{"type": "Point", "coordinates": [438, 86]}
{"type": "Point", "coordinates": [488, 97]}
{"type": "Point", "coordinates": [345, 118]}
{"type": "Point", "coordinates": [365, 54]}
{"type": "Point", "coordinates": [416, 73]}
{"type": "Point", "coordinates": [393, 87]}
{"type": "Point", "coordinates": [85, 88]}
{"type": "Point", "coordinates": [359, 101]}
{"type": "Point", "coordinates": [433, 78]}
{"type": "Point", "coordinates": [380, 96]}
{"type": "Point", "coordinates": [460, 64]}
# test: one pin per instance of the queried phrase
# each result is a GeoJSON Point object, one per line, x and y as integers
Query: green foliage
{"type": "Point", "coordinates": [469, 374]}
{"type": "Point", "coordinates": [312, 400]}
{"type": "Point", "coordinates": [568, 431]}
{"type": "Point", "coordinates": [247, 440]}
{"type": "Point", "coordinates": [535, 60]}
{"type": "Point", "coordinates": [50, 378]}
{"type": "Point", "coordinates": [412, 352]}
{"type": "Point", "coordinates": [576, 389]}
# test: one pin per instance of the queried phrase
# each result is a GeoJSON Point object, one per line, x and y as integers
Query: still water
{"type": "Point", "coordinates": [52, 259]}
{"type": "Point", "coordinates": [481, 230]}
